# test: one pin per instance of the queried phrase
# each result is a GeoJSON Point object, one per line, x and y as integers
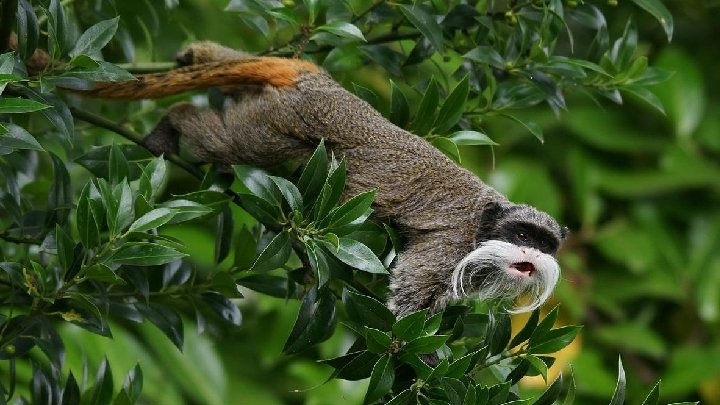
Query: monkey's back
{"type": "Point", "coordinates": [419, 188]}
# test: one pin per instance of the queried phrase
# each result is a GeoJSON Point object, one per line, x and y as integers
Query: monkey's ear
{"type": "Point", "coordinates": [491, 213]}
{"type": "Point", "coordinates": [564, 231]}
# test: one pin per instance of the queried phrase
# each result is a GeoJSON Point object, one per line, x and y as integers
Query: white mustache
{"type": "Point", "coordinates": [492, 262]}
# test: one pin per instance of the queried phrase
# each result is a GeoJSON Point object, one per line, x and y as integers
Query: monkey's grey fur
{"type": "Point", "coordinates": [444, 211]}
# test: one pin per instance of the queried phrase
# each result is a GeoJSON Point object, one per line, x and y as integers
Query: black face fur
{"type": "Point", "coordinates": [520, 225]}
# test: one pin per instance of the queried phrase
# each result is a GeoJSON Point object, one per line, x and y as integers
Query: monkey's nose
{"type": "Point", "coordinates": [524, 267]}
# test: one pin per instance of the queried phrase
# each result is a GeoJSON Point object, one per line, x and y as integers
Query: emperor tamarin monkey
{"type": "Point", "coordinates": [463, 237]}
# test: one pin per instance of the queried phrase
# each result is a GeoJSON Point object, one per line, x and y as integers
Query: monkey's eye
{"type": "Point", "coordinates": [522, 236]}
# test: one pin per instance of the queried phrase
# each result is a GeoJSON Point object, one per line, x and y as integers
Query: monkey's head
{"type": "Point", "coordinates": [514, 256]}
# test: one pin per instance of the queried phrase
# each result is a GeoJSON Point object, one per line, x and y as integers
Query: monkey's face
{"type": "Point", "coordinates": [514, 256]}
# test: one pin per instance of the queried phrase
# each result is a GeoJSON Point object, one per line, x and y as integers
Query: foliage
{"type": "Point", "coordinates": [110, 241]}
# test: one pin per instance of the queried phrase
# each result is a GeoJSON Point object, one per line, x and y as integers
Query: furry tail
{"type": "Point", "coordinates": [278, 72]}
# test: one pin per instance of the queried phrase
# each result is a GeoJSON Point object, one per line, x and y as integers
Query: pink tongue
{"type": "Point", "coordinates": [524, 267]}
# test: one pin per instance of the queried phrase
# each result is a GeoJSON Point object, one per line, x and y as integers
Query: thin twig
{"type": "Point", "coordinates": [28, 240]}
{"type": "Point", "coordinates": [133, 136]}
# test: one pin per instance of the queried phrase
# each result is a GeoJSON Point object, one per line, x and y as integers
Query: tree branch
{"type": "Point", "coordinates": [133, 136]}
{"type": "Point", "coordinates": [7, 18]}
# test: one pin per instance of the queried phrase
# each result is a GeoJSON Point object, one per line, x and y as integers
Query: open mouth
{"type": "Point", "coordinates": [526, 268]}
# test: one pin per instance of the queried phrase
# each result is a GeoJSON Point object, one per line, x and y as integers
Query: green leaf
{"type": "Point", "coordinates": [554, 340]}
{"type": "Point", "coordinates": [290, 192]}
{"type": "Point", "coordinates": [156, 175]}
{"type": "Point", "coordinates": [343, 29]}
{"type": "Point", "coordinates": [95, 38]}
{"type": "Point", "coordinates": [618, 397]}
{"type": "Point", "coordinates": [89, 216]}
{"type": "Point", "coordinates": [471, 138]}
{"type": "Point", "coordinates": [57, 27]}
{"type": "Point", "coordinates": [258, 183]}
{"type": "Point", "coordinates": [223, 307]}
{"type": "Point", "coordinates": [357, 255]}
{"type": "Point", "coordinates": [660, 12]}
{"type": "Point", "coordinates": [410, 326]}
{"type": "Point", "coordinates": [645, 95]}
{"type": "Point", "coordinates": [275, 254]}
{"type": "Point", "coordinates": [118, 168]}
{"type": "Point", "coordinates": [97, 162]}
{"type": "Point", "coordinates": [167, 320]}
{"type": "Point", "coordinates": [60, 197]}
{"type": "Point", "coordinates": [28, 30]}
{"type": "Point", "coordinates": [403, 398]}
{"type": "Point", "coordinates": [273, 286]}
{"type": "Point", "coordinates": [186, 210]}
{"type": "Point", "coordinates": [531, 126]}
{"type": "Point", "coordinates": [103, 389]}
{"type": "Point", "coordinates": [551, 394]}
{"type": "Point", "coordinates": [331, 192]}
{"type": "Point", "coordinates": [14, 105]}
{"type": "Point", "coordinates": [527, 330]}
{"type": "Point", "coordinates": [427, 112]}
{"type": "Point", "coordinates": [101, 272]}
{"type": "Point", "coordinates": [313, 7]}
{"type": "Point", "coordinates": [121, 208]}
{"type": "Point", "coordinates": [377, 340]}
{"type": "Point", "coordinates": [352, 209]}
{"type": "Point", "coordinates": [315, 322]}
{"type": "Point", "coordinates": [59, 116]}
{"type": "Point", "coordinates": [453, 107]}
{"type": "Point", "coordinates": [399, 108]}
{"type": "Point", "coordinates": [653, 396]}
{"type": "Point", "coordinates": [145, 254]}
{"type": "Point", "coordinates": [133, 384]}
{"type": "Point", "coordinates": [319, 263]}
{"type": "Point", "coordinates": [223, 235]}
{"type": "Point", "coordinates": [487, 55]}
{"type": "Point", "coordinates": [501, 330]}
{"type": "Point", "coordinates": [447, 147]}
{"type": "Point", "coordinates": [570, 395]}
{"type": "Point", "coordinates": [381, 379]}
{"type": "Point", "coordinates": [538, 365]}
{"type": "Point", "coordinates": [457, 368]}
{"type": "Point", "coordinates": [65, 248]}
{"type": "Point", "coordinates": [17, 137]}
{"type": "Point", "coordinates": [367, 311]}
{"type": "Point", "coordinates": [71, 393]}
{"type": "Point", "coordinates": [367, 95]}
{"type": "Point", "coordinates": [153, 219]}
{"type": "Point", "coordinates": [313, 175]}
{"type": "Point", "coordinates": [425, 344]}
{"type": "Point", "coordinates": [426, 24]}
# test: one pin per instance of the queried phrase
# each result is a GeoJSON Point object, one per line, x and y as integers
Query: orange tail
{"type": "Point", "coordinates": [278, 72]}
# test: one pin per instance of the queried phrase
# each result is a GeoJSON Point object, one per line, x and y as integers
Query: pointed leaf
{"type": "Point", "coordinates": [153, 219]}
{"type": "Point", "coordinates": [453, 107]}
{"type": "Point", "coordinates": [357, 255]}
{"type": "Point", "coordinates": [660, 12]}
{"type": "Point", "coordinates": [410, 326]}
{"type": "Point", "coordinates": [275, 254]}
{"type": "Point", "coordinates": [145, 254]}
{"type": "Point", "coordinates": [618, 397]}
{"type": "Point", "coordinates": [381, 379]}
{"type": "Point", "coordinates": [95, 38]}
{"type": "Point", "coordinates": [426, 24]}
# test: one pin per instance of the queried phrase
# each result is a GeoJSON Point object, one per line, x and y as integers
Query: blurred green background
{"type": "Point", "coordinates": [639, 190]}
